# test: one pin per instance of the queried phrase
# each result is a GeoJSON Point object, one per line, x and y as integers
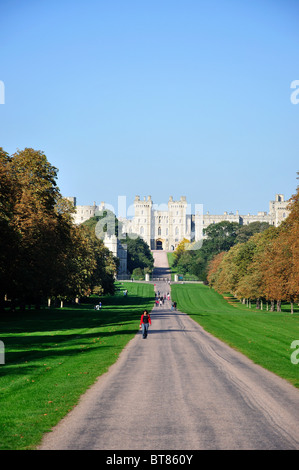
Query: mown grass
{"type": "Point", "coordinates": [53, 355]}
{"type": "Point", "coordinates": [263, 336]}
{"type": "Point", "coordinates": [170, 258]}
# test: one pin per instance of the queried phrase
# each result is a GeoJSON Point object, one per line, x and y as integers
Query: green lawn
{"type": "Point", "coordinates": [263, 336]}
{"type": "Point", "coordinates": [53, 355]}
{"type": "Point", "coordinates": [170, 257]}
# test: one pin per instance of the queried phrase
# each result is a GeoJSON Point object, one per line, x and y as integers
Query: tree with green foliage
{"type": "Point", "coordinates": [104, 222]}
{"type": "Point", "coordinates": [43, 254]}
{"type": "Point", "coordinates": [9, 239]}
{"type": "Point", "coordinates": [247, 231]}
{"type": "Point", "coordinates": [265, 266]}
{"type": "Point", "coordinates": [138, 254]}
{"type": "Point", "coordinates": [220, 237]}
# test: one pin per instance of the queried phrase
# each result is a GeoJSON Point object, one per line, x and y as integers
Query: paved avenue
{"type": "Point", "coordinates": [181, 388]}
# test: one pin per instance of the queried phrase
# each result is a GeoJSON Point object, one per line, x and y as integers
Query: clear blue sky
{"type": "Point", "coordinates": [160, 98]}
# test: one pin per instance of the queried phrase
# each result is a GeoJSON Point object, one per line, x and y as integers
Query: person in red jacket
{"type": "Point", "coordinates": [145, 321]}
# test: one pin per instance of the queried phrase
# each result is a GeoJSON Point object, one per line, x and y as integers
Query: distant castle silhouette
{"type": "Point", "coordinates": [164, 227]}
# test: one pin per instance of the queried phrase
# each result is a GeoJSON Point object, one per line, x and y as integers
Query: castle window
{"type": "Point", "coordinates": [177, 231]}
{"type": "Point", "coordinates": [141, 230]}
{"type": "Point", "coordinates": [159, 231]}
{"type": "Point", "coordinates": [167, 231]}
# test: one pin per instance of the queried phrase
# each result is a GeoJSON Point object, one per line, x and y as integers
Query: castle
{"type": "Point", "coordinates": [163, 227]}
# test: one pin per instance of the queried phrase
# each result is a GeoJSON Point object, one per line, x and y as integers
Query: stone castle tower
{"type": "Point", "coordinates": [164, 226]}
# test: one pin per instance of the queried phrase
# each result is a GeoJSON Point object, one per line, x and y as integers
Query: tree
{"type": "Point", "coordinates": [33, 223]}
{"type": "Point", "coordinates": [220, 237]}
{"type": "Point", "coordinates": [214, 266]}
{"type": "Point", "coordinates": [105, 222]}
{"type": "Point", "coordinates": [246, 231]}
{"type": "Point", "coordinates": [251, 283]}
{"type": "Point", "coordinates": [138, 254]}
{"type": "Point", "coordinates": [43, 254]}
{"type": "Point", "coordinates": [266, 266]}
{"type": "Point", "coordinates": [180, 250]}
{"type": "Point", "coordinates": [280, 261]}
{"type": "Point", "coordinates": [8, 237]}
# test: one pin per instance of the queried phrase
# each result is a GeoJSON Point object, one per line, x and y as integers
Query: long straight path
{"type": "Point", "coordinates": [181, 388]}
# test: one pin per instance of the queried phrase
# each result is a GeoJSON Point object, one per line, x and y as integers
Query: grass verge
{"type": "Point", "coordinates": [53, 356]}
{"type": "Point", "coordinates": [265, 337]}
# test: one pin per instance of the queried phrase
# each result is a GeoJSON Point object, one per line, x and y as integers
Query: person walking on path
{"type": "Point", "coordinates": [145, 321]}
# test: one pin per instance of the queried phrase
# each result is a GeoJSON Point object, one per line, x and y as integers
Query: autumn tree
{"type": "Point", "coordinates": [8, 237]}
{"type": "Point", "coordinates": [266, 266]}
{"type": "Point", "coordinates": [214, 269]}
{"type": "Point", "coordinates": [251, 283]}
{"type": "Point", "coordinates": [180, 249]}
{"type": "Point", "coordinates": [43, 254]}
{"type": "Point", "coordinates": [280, 262]}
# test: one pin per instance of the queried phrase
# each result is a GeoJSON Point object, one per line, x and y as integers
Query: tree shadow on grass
{"type": "Point", "coordinates": [37, 349]}
{"type": "Point", "coordinates": [23, 338]}
{"type": "Point", "coordinates": [75, 317]}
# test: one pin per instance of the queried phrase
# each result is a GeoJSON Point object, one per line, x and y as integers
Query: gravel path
{"type": "Point", "coordinates": [181, 388]}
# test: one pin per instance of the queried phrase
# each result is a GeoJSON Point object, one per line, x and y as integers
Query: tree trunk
{"type": "Point", "coordinates": [292, 307]}
{"type": "Point", "coordinates": [278, 305]}
{"type": "Point", "coordinates": [61, 304]}
{"type": "Point", "coordinates": [272, 306]}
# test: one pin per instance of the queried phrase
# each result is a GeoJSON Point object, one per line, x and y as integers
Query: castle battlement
{"type": "Point", "coordinates": [164, 226]}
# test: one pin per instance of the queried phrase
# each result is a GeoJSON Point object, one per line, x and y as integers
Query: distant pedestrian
{"type": "Point", "coordinates": [145, 321]}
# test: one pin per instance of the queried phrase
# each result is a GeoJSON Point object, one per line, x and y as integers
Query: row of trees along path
{"type": "Point", "coordinates": [265, 268]}
{"type": "Point", "coordinates": [43, 255]}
